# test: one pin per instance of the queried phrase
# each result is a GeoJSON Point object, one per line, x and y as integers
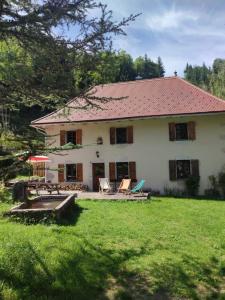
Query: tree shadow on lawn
{"type": "Point", "coordinates": [90, 272]}
{"type": "Point", "coordinates": [71, 216]}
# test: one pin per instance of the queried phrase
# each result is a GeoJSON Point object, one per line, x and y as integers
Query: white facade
{"type": "Point", "coordinates": [151, 149]}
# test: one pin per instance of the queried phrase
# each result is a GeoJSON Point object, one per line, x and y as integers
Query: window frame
{"type": "Point", "coordinates": [125, 176]}
{"type": "Point", "coordinates": [177, 166]}
{"type": "Point", "coordinates": [116, 139]}
{"type": "Point", "coordinates": [74, 132]}
{"type": "Point", "coordinates": [186, 138]}
{"type": "Point", "coordinates": [75, 168]}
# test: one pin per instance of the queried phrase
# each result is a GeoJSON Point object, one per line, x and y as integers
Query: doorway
{"type": "Point", "coordinates": [98, 171]}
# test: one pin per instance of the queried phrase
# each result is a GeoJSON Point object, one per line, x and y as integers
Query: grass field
{"type": "Point", "coordinates": [162, 249]}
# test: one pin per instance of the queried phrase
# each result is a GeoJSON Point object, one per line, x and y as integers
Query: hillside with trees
{"type": "Point", "coordinates": [42, 81]}
{"type": "Point", "coordinates": [211, 79]}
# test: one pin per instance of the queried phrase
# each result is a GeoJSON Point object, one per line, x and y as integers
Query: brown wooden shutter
{"type": "Point", "coordinates": [79, 137]}
{"type": "Point", "coordinates": [62, 137]}
{"type": "Point", "coordinates": [195, 167]}
{"type": "Point", "coordinates": [112, 171]}
{"type": "Point", "coordinates": [173, 170]}
{"type": "Point", "coordinates": [61, 177]}
{"type": "Point", "coordinates": [130, 134]}
{"type": "Point", "coordinates": [172, 131]}
{"type": "Point", "coordinates": [79, 172]}
{"type": "Point", "coordinates": [191, 131]}
{"type": "Point", "coordinates": [132, 170]}
{"type": "Point", "coordinates": [112, 135]}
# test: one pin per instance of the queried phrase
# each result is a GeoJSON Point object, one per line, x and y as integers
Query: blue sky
{"type": "Point", "coordinates": [179, 31]}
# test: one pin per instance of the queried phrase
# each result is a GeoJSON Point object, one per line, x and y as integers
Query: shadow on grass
{"type": "Point", "coordinates": [90, 272]}
{"type": "Point", "coordinates": [71, 216]}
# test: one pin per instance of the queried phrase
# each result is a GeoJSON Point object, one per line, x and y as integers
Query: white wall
{"type": "Point", "coordinates": [151, 149]}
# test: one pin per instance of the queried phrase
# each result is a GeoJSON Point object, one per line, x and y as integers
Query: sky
{"type": "Point", "coordinates": [179, 31]}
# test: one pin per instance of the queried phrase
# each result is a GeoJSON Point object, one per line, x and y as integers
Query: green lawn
{"type": "Point", "coordinates": [162, 249]}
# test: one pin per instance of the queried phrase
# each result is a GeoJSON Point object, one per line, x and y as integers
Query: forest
{"type": "Point", "coordinates": [211, 79]}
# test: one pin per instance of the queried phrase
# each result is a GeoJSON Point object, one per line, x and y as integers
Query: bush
{"type": "Point", "coordinates": [213, 191]}
{"type": "Point", "coordinates": [173, 192]}
{"type": "Point", "coordinates": [221, 181]}
{"type": "Point", "coordinates": [26, 170]}
{"type": "Point", "coordinates": [5, 195]}
{"type": "Point", "coordinates": [192, 185]}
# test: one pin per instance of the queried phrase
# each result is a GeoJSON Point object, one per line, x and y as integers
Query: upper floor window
{"type": "Point", "coordinates": [182, 131]}
{"type": "Point", "coordinates": [121, 135]}
{"type": "Point", "coordinates": [71, 136]}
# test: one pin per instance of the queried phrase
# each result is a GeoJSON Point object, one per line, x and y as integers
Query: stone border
{"type": "Point", "coordinates": [67, 202]}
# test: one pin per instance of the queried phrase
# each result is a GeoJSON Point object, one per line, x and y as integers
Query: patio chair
{"type": "Point", "coordinates": [138, 188]}
{"type": "Point", "coordinates": [124, 186]}
{"type": "Point", "coordinates": [104, 185]}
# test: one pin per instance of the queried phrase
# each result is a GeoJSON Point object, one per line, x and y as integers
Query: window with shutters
{"type": "Point", "coordinates": [121, 135]}
{"type": "Point", "coordinates": [122, 170]}
{"type": "Point", "coordinates": [181, 131]}
{"type": "Point", "coordinates": [71, 172]}
{"type": "Point", "coordinates": [71, 137]}
{"type": "Point", "coordinates": [183, 169]}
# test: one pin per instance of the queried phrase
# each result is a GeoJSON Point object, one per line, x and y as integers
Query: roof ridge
{"type": "Point", "coordinates": [137, 81]}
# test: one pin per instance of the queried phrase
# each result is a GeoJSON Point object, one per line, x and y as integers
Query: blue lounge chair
{"type": "Point", "coordinates": [138, 188]}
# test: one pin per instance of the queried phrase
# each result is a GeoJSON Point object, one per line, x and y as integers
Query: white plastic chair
{"type": "Point", "coordinates": [104, 185]}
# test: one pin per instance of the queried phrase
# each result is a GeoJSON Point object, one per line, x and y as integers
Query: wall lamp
{"type": "Point", "coordinates": [99, 140]}
{"type": "Point", "coordinates": [97, 154]}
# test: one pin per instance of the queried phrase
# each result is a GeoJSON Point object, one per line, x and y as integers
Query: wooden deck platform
{"type": "Point", "coordinates": [100, 196]}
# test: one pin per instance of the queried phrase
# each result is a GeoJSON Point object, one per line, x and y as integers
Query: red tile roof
{"type": "Point", "coordinates": [142, 98]}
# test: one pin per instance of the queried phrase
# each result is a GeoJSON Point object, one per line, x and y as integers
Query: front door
{"type": "Point", "coordinates": [98, 171]}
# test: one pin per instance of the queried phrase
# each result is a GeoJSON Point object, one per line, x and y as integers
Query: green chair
{"type": "Point", "coordinates": [138, 188]}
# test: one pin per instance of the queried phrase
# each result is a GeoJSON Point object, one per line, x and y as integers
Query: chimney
{"type": "Point", "coordinates": [175, 73]}
{"type": "Point", "coordinates": [138, 77]}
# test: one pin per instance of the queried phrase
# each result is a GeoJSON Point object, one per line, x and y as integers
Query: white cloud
{"type": "Point", "coordinates": [179, 31]}
{"type": "Point", "coordinates": [171, 19]}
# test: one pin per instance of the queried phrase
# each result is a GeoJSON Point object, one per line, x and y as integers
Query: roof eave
{"type": "Point", "coordinates": [130, 118]}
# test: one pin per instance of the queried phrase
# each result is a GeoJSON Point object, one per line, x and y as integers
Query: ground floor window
{"type": "Point", "coordinates": [122, 170]}
{"type": "Point", "coordinates": [71, 172]}
{"type": "Point", "coordinates": [183, 169]}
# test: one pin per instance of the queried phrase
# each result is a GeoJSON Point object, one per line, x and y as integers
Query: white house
{"type": "Point", "coordinates": [161, 130]}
